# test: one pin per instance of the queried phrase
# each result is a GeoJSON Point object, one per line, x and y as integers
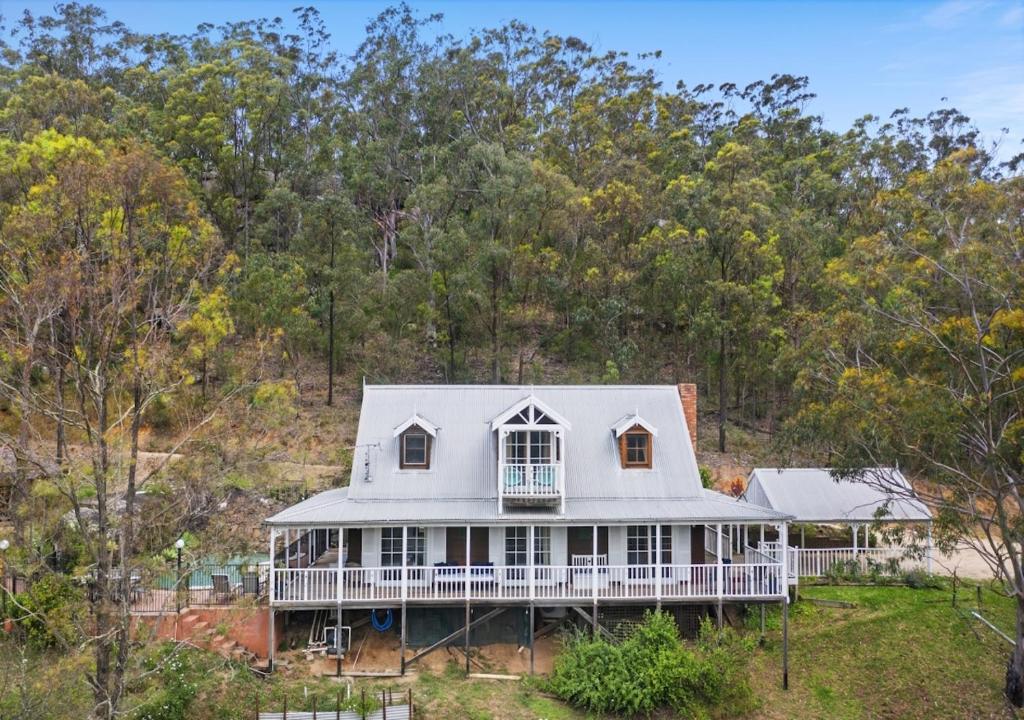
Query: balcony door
{"type": "Point", "coordinates": [455, 545]}
{"type": "Point", "coordinates": [580, 541]}
{"type": "Point", "coordinates": [530, 447]}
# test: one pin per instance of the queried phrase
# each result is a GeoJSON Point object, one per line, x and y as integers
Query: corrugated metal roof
{"type": "Point", "coordinates": [465, 454]}
{"type": "Point", "coordinates": [462, 482]}
{"type": "Point", "coordinates": [815, 495]}
{"type": "Point", "coordinates": [334, 507]}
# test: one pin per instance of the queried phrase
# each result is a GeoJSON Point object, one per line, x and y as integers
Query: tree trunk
{"type": "Point", "coordinates": [723, 400]}
{"type": "Point", "coordinates": [1015, 667]}
{"type": "Point", "coordinates": [330, 352]}
{"type": "Point", "coordinates": [330, 331]}
{"type": "Point", "coordinates": [495, 330]}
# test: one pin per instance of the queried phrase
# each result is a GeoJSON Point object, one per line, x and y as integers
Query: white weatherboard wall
{"type": "Point", "coordinates": [496, 546]}
{"type": "Point", "coordinates": [436, 547]}
{"type": "Point", "coordinates": [559, 546]}
{"type": "Point", "coordinates": [680, 544]}
{"type": "Point", "coordinates": [617, 545]}
{"type": "Point", "coordinates": [371, 547]}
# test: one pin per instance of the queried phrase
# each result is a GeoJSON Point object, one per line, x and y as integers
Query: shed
{"type": "Point", "coordinates": [822, 496]}
{"type": "Point", "coordinates": [819, 495]}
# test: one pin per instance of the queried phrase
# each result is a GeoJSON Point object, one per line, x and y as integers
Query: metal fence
{"type": "Point", "coordinates": [385, 706]}
{"type": "Point", "coordinates": [200, 585]}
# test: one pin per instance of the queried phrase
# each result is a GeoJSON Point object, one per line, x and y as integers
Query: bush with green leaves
{"type": "Point", "coordinates": [921, 580]}
{"type": "Point", "coordinates": [706, 479]}
{"type": "Point", "coordinates": [178, 677]}
{"type": "Point", "coordinates": [652, 669]}
{"type": "Point", "coordinates": [49, 612]}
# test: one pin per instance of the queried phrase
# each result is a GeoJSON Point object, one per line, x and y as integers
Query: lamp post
{"type": "Point", "coordinates": [179, 544]}
{"type": "Point", "coordinates": [4, 544]}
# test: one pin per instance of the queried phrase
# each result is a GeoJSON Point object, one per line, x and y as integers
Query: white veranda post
{"type": "Point", "coordinates": [928, 552]}
{"type": "Point", "coordinates": [784, 544]}
{"type": "Point", "coordinates": [405, 561]}
{"type": "Point", "coordinates": [718, 559]}
{"type": "Point", "coordinates": [273, 542]}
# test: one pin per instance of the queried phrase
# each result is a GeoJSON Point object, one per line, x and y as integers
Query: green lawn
{"type": "Point", "coordinates": [450, 695]}
{"type": "Point", "coordinates": [900, 653]}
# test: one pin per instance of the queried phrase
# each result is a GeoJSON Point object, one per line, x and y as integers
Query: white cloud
{"type": "Point", "coordinates": [1013, 18]}
{"type": "Point", "coordinates": [951, 13]}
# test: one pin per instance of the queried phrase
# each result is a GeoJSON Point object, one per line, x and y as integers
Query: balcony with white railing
{"type": "Point", "coordinates": [552, 584]}
{"type": "Point", "coordinates": [531, 483]}
{"type": "Point", "coordinates": [530, 468]}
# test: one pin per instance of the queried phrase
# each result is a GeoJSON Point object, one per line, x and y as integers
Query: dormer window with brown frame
{"type": "Point", "coordinates": [636, 442]}
{"type": "Point", "coordinates": [415, 449]}
{"type": "Point", "coordinates": [415, 443]}
{"type": "Point", "coordinates": [637, 449]}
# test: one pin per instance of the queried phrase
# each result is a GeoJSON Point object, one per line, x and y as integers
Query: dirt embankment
{"type": "Point", "coordinates": [372, 651]}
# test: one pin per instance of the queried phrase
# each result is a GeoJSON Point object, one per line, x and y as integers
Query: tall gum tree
{"type": "Point", "coordinates": [919, 362]}
{"type": "Point", "coordinates": [120, 229]}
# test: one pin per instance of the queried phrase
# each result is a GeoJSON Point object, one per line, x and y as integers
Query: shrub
{"type": "Point", "coordinates": [177, 688]}
{"type": "Point", "coordinates": [920, 580]}
{"type": "Point", "coordinates": [705, 477]}
{"type": "Point", "coordinates": [653, 669]}
{"type": "Point", "coordinates": [49, 611]}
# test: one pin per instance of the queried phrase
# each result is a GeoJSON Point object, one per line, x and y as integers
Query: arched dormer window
{"type": "Point", "coordinates": [636, 442]}
{"type": "Point", "coordinates": [415, 443]}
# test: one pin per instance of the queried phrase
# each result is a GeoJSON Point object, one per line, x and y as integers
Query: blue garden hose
{"type": "Point", "coordinates": [382, 625]}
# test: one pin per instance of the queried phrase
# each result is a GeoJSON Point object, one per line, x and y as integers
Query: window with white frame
{"type": "Point", "coordinates": [542, 546]}
{"type": "Point", "coordinates": [416, 547]}
{"type": "Point", "coordinates": [391, 547]}
{"type": "Point", "coordinates": [642, 544]}
{"type": "Point", "coordinates": [517, 541]}
{"type": "Point", "coordinates": [530, 447]}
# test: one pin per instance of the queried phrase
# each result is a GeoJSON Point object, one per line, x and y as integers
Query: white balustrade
{"type": "Point", "coordinates": [531, 480]}
{"type": "Point", "coordinates": [549, 583]}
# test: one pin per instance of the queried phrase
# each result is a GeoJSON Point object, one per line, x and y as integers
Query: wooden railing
{"type": "Point", "coordinates": [541, 583]}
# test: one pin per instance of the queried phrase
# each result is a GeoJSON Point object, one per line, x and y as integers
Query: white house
{"type": "Point", "coordinates": [532, 496]}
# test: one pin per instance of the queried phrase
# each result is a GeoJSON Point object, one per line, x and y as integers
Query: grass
{"type": "Point", "coordinates": [900, 653]}
{"type": "Point", "coordinates": [449, 694]}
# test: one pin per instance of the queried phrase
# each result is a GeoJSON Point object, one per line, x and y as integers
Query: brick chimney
{"type": "Point", "coordinates": [688, 397]}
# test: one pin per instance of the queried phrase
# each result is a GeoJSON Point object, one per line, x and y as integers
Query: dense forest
{"type": "Point", "coordinates": [506, 207]}
{"type": "Point", "coordinates": [192, 221]}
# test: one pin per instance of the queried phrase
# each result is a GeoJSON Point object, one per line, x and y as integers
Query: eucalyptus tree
{"type": "Point", "coordinates": [918, 358]}
{"type": "Point", "coordinates": [118, 232]}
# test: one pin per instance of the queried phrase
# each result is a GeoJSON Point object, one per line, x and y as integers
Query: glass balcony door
{"type": "Point", "coordinates": [530, 447]}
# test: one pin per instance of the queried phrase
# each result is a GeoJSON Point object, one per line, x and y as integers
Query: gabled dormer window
{"type": "Point", "coordinates": [415, 442]}
{"type": "Point", "coordinates": [636, 441]}
{"type": "Point", "coordinates": [636, 449]}
{"type": "Point", "coordinates": [415, 449]}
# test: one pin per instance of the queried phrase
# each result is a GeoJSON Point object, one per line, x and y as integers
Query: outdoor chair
{"type": "Point", "coordinates": [223, 591]}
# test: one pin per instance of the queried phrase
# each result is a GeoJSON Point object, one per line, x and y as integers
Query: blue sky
{"type": "Point", "coordinates": [862, 57]}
